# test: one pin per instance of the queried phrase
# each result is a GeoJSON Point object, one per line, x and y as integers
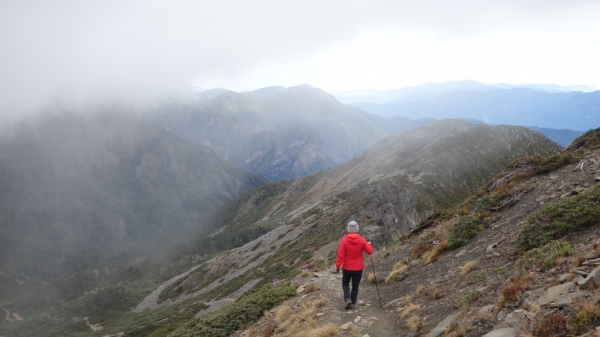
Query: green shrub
{"type": "Point", "coordinates": [462, 231]}
{"type": "Point", "coordinates": [226, 321]}
{"type": "Point", "coordinates": [559, 218]}
{"type": "Point", "coordinates": [546, 255]}
{"type": "Point", "coordinates": [469, 298]}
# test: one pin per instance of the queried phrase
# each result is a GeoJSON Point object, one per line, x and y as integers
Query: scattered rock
{"type": "Point", "coordinates": [592, 279]}
{"type": "Point", "coordinates": [346, 326]}
{"type": "Point", "coordinates": [441, 327]}
{"type": "Point", "coordinates": [501, 316]}
{"type": "Point", "coordinates": [415, 263]}
{"type": "Point", "coordinates": [550, 295]}
{"type": "Point", "coordinates": [505, 332]}
{"type": "Point", "coordinates": [485, 310]}
{"type": "Point", "coordinates": [461, 253]}
{"type": "Point", "coordinates": [562, 300]}
{"type": "Point", "coordinates": [300, 289]}
{"type": "Point", "coordinates": [361, 302]}
{"type": "Point", "coordinates": [515, 318]}
{"type": "Point", "coordinates": [357, 319]}
{"type": "Point", "coordinates": [565, 277]}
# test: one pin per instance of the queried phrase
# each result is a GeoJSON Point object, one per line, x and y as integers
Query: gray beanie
{"type": "Point", "coordinates": [352, 227]}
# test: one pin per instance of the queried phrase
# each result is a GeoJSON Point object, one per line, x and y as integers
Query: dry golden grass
{"type": "Point", "coordinates": [409, 309]}
{"type": "Point", "coordinates": [352, 330]}
{"type": "Point", "coordinates": [430, 255]}
{"type": "Point", "coordinates": [311, 288]}
{"type": "Point", "coordinates": [533, 307]}
{"type": "Point", "coordinates": [324, 331]}
{"type": "Point", "coordinates": [396, 273]}
{"type": "Point", "coordinates": [372, 278]}
{"type": "Point", "coordinates": [436, 294]}
{"type": "Point", "coordinates": [281, 313]}
{"type": "Point", "coordinates": [303, 321]}
{"type": "Point", "coordinates": [589, 308]}
{"type": "Point", "coordinates": [419, 249]}
{"type": "Point", "coordinates": [305, 273]}
{"type": "Point", "coordinates": [419, 289]}
{"type": "Point", "coordinates": [414, 323]}
{"type": "Point", "coordinates": [467, 268]}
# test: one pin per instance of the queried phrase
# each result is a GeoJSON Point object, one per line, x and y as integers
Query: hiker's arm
{"type": "Point", "coordinates": [368, 248]}
{"type": "Point", "coordinates": [340, 256]}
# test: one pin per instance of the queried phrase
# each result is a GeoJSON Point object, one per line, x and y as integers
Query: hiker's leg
{"type": "Point", "coordinates": [356, 275]}
{"type": "Point", "coordinates": [346, 283]}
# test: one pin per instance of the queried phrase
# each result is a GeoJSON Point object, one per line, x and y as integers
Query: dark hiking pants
{"type": "Point", "coordinates": [355, 275]}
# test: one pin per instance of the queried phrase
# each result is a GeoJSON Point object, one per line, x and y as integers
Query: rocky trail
{"type": "Point", "coordinates": [367, 319]}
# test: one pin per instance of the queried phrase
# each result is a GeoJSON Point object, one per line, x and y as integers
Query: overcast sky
{"type": "Point", "coordinates": [91, 50]}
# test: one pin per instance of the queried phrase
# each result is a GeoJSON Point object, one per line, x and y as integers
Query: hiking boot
{"type": "Point", "coordinates": [349, 304]}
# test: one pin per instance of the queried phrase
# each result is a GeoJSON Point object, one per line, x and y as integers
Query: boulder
{"type": "Point", "coordinates": [441, 327]}
{"type": "Point", "coordinates": [486, 309]}
{"type": "Point", "coordinates": [593, 279]}
{"type": "Point", "coordinates": [515, 318]}
{"type": "Point", "coordinates": [346, 326]}
{"type": "Point", "coordinates": [550, 295]}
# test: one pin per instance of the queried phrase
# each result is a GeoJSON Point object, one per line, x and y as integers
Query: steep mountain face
{"type": "Point", "coordinates": [528, 107]}
{"type": "Point", "coordinates": [77, 189]}
{"type": "Point", "coordinates": [281, 133]}
{"type": "Point", "coordinates": [388, 189]}
{"type": "Point", "coordinates": [519, 256]}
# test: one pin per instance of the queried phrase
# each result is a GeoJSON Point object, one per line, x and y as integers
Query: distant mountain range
{"type": "Point", "coordinates": [574, 110]}
{"type": "Point", "coordinates": [429, 90]}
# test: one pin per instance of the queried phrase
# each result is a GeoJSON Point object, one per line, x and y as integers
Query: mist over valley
{"type": "Point", "coordinates": [181, 169]}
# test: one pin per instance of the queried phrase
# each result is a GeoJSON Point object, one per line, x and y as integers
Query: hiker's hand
{"type": "Point", "coordinates": [337, 270]}
{"type": "Point", "coordinates": [369, 242]}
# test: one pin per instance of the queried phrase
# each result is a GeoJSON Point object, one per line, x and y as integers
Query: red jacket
{"type": "Point", "coordinates": [350, 252]}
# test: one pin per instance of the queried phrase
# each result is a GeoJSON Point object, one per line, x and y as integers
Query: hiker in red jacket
{"type": "Point", "coordinates": [350, 257]}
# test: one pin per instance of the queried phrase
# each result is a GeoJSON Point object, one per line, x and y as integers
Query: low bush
{"type": "Point", "coordinates": [559, 218]}
{"type": "Point", "coordinates": [512, 291]}
{"type": "Point", "coordinates": [545, 256]}
{"type": "Point", "coordinates": [469, 298]}
{"type": "Point", "coordinates": [226, 321]}
{"type": "Point", "coordinates": [462, 231]}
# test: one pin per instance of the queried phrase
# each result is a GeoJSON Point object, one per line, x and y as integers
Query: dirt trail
{"type": "Point", "coordinates": [367, 319]}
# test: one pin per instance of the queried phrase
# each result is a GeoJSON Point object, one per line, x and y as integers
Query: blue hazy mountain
{"type": "Point", "coordinates": [574, 110]}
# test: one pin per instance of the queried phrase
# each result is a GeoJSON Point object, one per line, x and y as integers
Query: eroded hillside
{"type": "Point", "coordinates": [381, 189]}
{"type": "Point", "coordinates": [519, 257]}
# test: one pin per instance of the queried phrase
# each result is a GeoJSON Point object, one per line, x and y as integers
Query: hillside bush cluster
{"type": "Point", "coordinates": [462, 231]}
{"type": "Point", "coordinates": [226, 321]}
{"type": "Point", "coordinates": [545, 256]}
{"type": "Point", "coordinates": [559, 218]}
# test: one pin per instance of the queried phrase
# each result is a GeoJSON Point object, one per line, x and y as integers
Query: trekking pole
{"type": "Point", "coordinates": [376, 283]}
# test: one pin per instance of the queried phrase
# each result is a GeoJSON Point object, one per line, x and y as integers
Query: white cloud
{"type": "Point", "coordinates": [140, 49]}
